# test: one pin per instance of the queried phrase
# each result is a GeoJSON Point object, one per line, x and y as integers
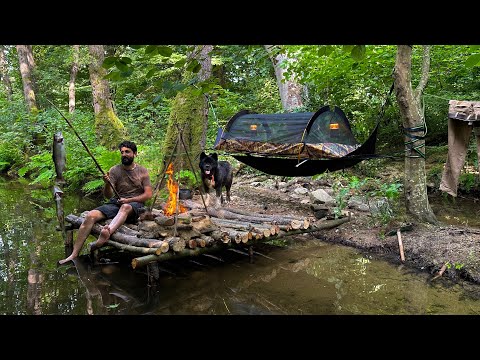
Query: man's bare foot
{"type": "Point", "coordinates": [104, 236]}
{"type": "Point", "coordinates": [64, 261]}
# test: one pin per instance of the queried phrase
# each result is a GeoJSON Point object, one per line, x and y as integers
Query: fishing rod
{"type": "Point", "coordinates": [86, 148]}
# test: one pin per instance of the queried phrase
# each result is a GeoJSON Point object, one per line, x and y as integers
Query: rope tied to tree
{"type": "Point", "coordinates": [412, 150]}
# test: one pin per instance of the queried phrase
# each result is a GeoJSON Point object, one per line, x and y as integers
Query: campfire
{"type": "Point", "coordinates": [172, 202]}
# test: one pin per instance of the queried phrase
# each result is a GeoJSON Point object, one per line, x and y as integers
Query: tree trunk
{"type": "Point", "coordinates": [189, 113]}
{"type": "Point", "coordinates": [73, 76]}
{"type": "Point", "coordinates": [416, 199]}
{"type": "Point", "coordinates": [4, 74]}
{"type": "Point", "coordinates": [25, 58]}
{"type": "Point", "coordinates": [290, 91]}
{"type": "Point", "coordinates": [108, 127]}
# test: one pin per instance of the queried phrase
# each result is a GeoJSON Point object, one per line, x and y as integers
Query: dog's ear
{"type": "Point", "coordinates": [203, 155]}
{"type": "Point", "coordinates": [215, 156]}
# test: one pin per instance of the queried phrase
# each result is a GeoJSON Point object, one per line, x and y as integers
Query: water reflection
{"type": "Point", "coordinates": [307, 277]}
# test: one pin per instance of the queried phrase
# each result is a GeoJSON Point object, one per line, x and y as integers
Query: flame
{"type": "Point", "coordinates": [172, 186]}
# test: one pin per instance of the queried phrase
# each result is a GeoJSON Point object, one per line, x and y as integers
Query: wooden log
{"type": "Point", "coordinates": [225, 214]}
{"type": "Point", "coordinates": [265, 216]}
{"type": "Point", "coordinates": [198, 217]}
{"type": "Point", "coordinates": [204, 225]}
{"type": "Point", "coordinates": [191, 243]}
{"type": "Point", "coordinates": [184, 218]}
{"type": "Point", "coordinates": [119, 237]}
{"type": "Point", "coordinates": [241, 225]}
{"type": "Point", "coordinates": [147, 259]}
{"type": "Point", "coordinates": [247, 238]}
{"type": "Point", "coordinates": [176, 244]}
{"type": "Point", "coordinates": [200, 242]}
{"type": "Point", "coordinates": [163, 220]}
{"type": "Point", "coordinates": [209, 241]}
{"type": "Point", "coordinates": [221, 236]}
{"type": "Point", "coordinates": [134, 249]}
{"type": "Point", "coordinates": [296, 224]}
{"type": "Point", "coordinates": [188, 234]}
{"type": "Point", "coordinates": [441, 271]}
{"type": "Point", "coordinates": [192, 204]}
{"type": "Point", "coordinates": [328, 224]}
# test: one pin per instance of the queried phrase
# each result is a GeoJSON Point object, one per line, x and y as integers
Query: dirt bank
{"type": "Point", "coordinates": [426, 247]}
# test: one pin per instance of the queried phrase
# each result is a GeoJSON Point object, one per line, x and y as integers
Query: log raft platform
{"type": "Point", "coordinates": [156, 237]}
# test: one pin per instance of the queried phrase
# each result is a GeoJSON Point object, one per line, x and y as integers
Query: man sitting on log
{"type": "Point", "coordinates": [132, 184]}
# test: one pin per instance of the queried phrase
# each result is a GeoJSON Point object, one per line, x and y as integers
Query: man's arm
{"type": "Point", "coordinates": [147, 194]}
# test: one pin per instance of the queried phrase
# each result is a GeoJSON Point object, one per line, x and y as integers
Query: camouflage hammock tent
{"type": "Point", "coordinates": [294, 144]}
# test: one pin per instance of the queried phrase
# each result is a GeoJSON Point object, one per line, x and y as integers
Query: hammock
{"type": "Point", "coordinates": [294, 144]}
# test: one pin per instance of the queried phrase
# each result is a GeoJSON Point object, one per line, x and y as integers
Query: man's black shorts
{"type": "Point", "coordinates": [111, 208]}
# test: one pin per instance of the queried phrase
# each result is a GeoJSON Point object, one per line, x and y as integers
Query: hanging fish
{"type": "Point", "coordinates": [59, 156]}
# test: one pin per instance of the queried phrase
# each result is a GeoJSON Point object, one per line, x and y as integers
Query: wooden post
{"type": "Point", "coordinates": [400, 245]}
{"type": "Point", "coordinates": [69, 238]}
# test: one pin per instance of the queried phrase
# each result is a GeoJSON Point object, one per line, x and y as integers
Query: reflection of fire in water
{"type": "Point", "coordinates": [172, 186]}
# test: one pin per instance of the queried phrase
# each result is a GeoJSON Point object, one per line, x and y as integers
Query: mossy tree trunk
{"type": "Point", "coordinates": [4, 74]}
{"type": "Point", "coordinates": [290, 90]}
{"type": "Point", "coordinates": [26, 62]}
{"type": "Point", "coordinates": [73, 76]}
{"type": "Point", "coordinates": [27, 69]}
{"type": "Point", "coordinates": [189, 113]}
{"type": "Point", "coordinates": [409, 102]}
{"type": "Point", "coordinates": [109, 129]}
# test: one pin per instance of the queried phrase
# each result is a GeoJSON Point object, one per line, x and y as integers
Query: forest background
{"type": "Point", "coordinates": [148, 94]}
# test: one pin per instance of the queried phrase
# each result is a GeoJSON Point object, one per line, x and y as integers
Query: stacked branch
{"type": "Point", "coordinates": [197, 231]}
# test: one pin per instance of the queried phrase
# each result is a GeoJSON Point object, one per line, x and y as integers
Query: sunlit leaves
{"type": "Point", "coordinates": [473, 60]}
{"type": "Point", "coordinates": [108, 62]}
{"type": "Point", "coordinates": [180, 63]}
{"type": "Point", "coordinates": [193, 66]}
{"type": "Point", "coordinates": [162, 50]}
{"type": "Point", "coordinates": [358, 52]}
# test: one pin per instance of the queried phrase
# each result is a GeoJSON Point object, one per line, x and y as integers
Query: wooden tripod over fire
{"type": "Point", "coordinates": [168, 169]}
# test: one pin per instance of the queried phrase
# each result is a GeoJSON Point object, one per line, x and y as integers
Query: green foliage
{"type": "Point", "coordinates": [343, 193]}
{"type": "Point", "coordinates": [10, 155]}
{"type": "Point", "coordinates": [93, 186]}
{"type": "Point", "coordinates": [467, 181]}
{"type": "Point", "coordinates": [40, 168]}
{"type": "Point", "coordinates": [146, 78]}
{"type": "Point", "coordinates": [387, 209]}
{"type": "Point", "coordinates": [456, 266]}
{"type": "Point", "coordinates": [187, 179]}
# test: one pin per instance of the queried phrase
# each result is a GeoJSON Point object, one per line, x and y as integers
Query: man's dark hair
{"type": "Point", "coordinates": [128, 144]}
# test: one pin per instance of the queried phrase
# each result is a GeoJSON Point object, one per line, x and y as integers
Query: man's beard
{"type": "Point", "coordinates": [127, 160]}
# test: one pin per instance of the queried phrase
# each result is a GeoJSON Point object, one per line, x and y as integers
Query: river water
{"type": "Point", "coordinates": [305, 277]}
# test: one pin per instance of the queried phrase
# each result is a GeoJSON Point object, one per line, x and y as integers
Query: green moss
{"type": "Point", "coordinates": [187, 113]}
{"type": "Point", "coordinates": [109, 129]}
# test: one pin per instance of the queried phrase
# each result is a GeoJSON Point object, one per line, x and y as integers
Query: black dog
{"type": "Point", "coordinates": [215, 175]}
